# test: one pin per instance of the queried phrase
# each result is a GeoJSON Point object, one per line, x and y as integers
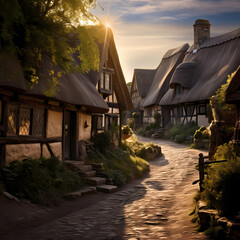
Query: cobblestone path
{"type": "Point", "coordinates": [155, 207]}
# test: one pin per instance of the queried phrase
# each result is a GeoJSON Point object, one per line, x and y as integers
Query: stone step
{"type": "Point", "coordinates": [87, 174]}
{"type": "Point", "coordinates": [79, 193]}
{"type": "Point", "coordinates": [85, 168]}
{"type": "Point", "coordinates": [97, 166]}
{"type": "Point", "coordinates": [106, 188]}
{"type": "Point", "coordinates": [74, 165]}
{"type": "Point", "coordinates": [95, 181]}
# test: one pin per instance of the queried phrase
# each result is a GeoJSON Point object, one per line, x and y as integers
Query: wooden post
{"type": "Point", "coordinates": [201, 171]}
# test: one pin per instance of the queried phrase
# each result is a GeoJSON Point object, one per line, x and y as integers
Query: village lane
{"type": "Point", "coordinates": [155, 207]}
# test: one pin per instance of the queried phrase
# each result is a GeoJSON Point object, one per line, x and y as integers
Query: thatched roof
{"type": "Point", "coordinates": [74, 88]}
{"type": "Point", "coordinates": [11, 74]}
{"type": "Point", "coordinates": [144, 79]}
{"type": "Point", "coordinates": [233, 90]}
{"type": "Point", "coordinates": [163, 74]}
{"type": "Point", "coordinates": [205, 70]}
{"type": "Point", "coordinates": [119, 83]}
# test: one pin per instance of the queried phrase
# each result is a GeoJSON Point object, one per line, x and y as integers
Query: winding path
{"type": "Point", "coordinates": [155, 207]}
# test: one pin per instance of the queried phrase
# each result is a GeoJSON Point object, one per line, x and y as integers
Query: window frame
{"type": "Point", "coordinates": [102, 85]}
{"type": "Point", "coordinates": [199, 112]}
{"type": "Point", "coordinates": [17, 123]}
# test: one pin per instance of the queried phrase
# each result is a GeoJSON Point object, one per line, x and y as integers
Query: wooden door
{"type": "Point", "coordinates": [70, 140]}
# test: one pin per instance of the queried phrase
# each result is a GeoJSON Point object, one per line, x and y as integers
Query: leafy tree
{"type": "Point", "coordinates": [33, 28]}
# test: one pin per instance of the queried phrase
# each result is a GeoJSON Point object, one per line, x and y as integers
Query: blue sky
{"type": "Point", "coordinates": [145, 29]}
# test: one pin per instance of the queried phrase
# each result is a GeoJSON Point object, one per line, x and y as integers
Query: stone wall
{"type": "Point", "coordinates": [84, 133]}
{"type": "Point", "coordinates": [21, 151]}
{"type": "Point", "coordinates": [54, 124]}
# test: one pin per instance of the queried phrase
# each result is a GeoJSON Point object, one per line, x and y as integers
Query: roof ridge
{"type": "Point", "coordinates": [234, 34]}
{"type": "Point", "coordinates": [174, 51]}
{"type": "Point", "coordinates": [218, 40]}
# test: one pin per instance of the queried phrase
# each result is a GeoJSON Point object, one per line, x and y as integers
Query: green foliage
{"type": "Point", "coordinates": [201, 133]}
{"type": "Point", "coordinates": [102, 141]}
{"type": "Point", "coordinates": [180, 132]}
{"type": "Point", "coordinates": [127, 130]}
{"type": "Point", "coordinates": [120, 164]}
{"type": "Point", "coordinates": [118, 178]}
{"type": "Point", "coordinates": [41, 180]}
{"type": "Point", "coordinates": [31, 29]}
{"type": "Point", "coordinates": [221, 94]}
{"type": "Point", "coordinates": [136, 115]}
{"type": "Point", "coordinates": [179, 138]}
{"type": "Point", "coordinates": [140, 131]}
{"type": "Point", "coordinates": [157, 118]}
{"type": "Point", "coordinates": [148, 151]}
{"type": "Point", "coordinates": [221, 187]}
{"type": "Point", "coordinates": [151, 126]}
{"type": "Point", "coordinates": [130, 122]}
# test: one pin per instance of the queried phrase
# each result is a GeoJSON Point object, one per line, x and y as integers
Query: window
{"type": "Point", "coordinates": [25, 121]}
{"type": "Point", "coordinates": [106, 82]}
{"type": "Point", "coordinates": [178, 89]}
{"type": "Point", "coordinates": [109, 120]}
{"type": "Point", "coordinates": [97, 122]}
{"type": "Point", "coordinates": [189, 110]}
{"type": "Point", "coordinates": [202, 110]}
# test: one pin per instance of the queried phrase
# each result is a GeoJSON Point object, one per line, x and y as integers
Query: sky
{"type": "Point", "coordinates": [145, 29]}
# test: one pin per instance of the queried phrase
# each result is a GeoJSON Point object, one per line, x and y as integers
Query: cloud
{"type": "Point", "coordinates": [174, 9]}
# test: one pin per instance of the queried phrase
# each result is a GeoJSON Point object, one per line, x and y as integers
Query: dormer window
{"type": "Point", "coordinates": [106, 81]}
{"type": "Point", "coordinates": [178, 89]}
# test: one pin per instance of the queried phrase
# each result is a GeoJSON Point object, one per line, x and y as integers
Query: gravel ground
{"type": "Point", "coordinates": [155, 207]}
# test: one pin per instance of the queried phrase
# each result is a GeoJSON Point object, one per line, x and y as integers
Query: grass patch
{"type": "Point", "coordinates": [40, 180]}
{"type": "Point", "coordinates": [119, 166]}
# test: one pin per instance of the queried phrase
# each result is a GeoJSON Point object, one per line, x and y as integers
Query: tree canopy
{"type": "Point", "coordinates": [32, 28]}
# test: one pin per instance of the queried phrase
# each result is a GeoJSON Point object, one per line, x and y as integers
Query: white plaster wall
{"type": "Point", "coordinates": [84, 133]}
{"type": "Point", "coordinates": [54, 124]}
{"type": "Point", "coordinates": [22, 151]}
{"type": "Point", "coordinates": [203, 121]}
{"type": "Point", "coordinates": [115, 110]}
{"type": "Point", "coordinates": [56, 148]}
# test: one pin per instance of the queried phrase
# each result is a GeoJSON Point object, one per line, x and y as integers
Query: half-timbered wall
{"type": "Point", "coordinates": [192, 112]}
{"type": "Point", "coordinates": [148, 115]}
{"type": "Point", "coordinates": [136, 98]}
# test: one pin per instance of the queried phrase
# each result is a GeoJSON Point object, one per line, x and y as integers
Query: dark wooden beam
{"type": "Point", "coordinates": [27, 139]}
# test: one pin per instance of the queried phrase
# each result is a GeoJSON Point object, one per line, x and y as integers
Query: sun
{"type": "Point", "coordinates": [108, 25]}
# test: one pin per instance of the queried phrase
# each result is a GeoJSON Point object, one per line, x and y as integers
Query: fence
{"type": "Point", "coordinates": [201, 166]}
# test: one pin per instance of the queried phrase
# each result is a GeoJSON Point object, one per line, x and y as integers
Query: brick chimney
{"type": "Point", "coordinates": [201, 31]}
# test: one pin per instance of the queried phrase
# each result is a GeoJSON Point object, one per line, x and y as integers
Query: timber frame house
{"type": "Point", "coordinates": [148, 86]}
{"type": "Point", "coordinates": [45, 121]}
{"type": "Point", "coordinates": [203, 70]}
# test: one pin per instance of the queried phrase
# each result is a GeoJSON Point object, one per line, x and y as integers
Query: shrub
{"type": "Point", "coordinates": [41, 180]}
{"type": "Point", "coordinates": [179, 138]}
{"type": "Point", "coordinates": [157, 118]}
{"type": "Point", "coordinates": [140, 131]}
{"type": "Point", "coordinates": [175, 130]}
{"type": "Point", "coordinates": [127, 130]}
{"type": "Point", "coordinates": [130, 122]}
{"type": "Point", "coordinates": [221, 187]}
{"type": "Point", "coordinates": [102, 141]}
{"type": "Point", "coordinates": [201, 133]}
{"type": "Point", "coordinates": [136, 115]}
{"type": "Point", "coordinates": [120, 161]}
{"type": "Point", "coordinates": [118, 178]}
